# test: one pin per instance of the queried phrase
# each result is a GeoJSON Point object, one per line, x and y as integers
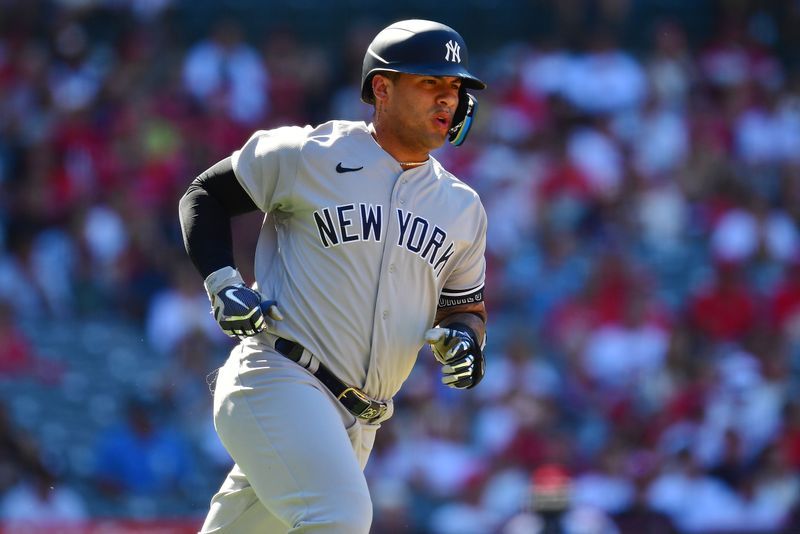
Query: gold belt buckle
{"type": "Point", "coordinates": [370, 412]}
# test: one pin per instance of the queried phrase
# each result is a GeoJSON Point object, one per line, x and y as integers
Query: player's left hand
{"type": "Point", "coordinates": [461, 357]}
{"type": "Point", "coordinates": [239, 309]}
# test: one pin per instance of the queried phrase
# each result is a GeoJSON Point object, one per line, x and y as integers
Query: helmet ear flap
{"type": "Point", "coordinates": [366, 90]}
{"type": "Point", "coordinates": [463, 117]}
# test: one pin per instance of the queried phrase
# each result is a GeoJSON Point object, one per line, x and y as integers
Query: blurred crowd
{"type": "Point", "coordinates": [643, 266]}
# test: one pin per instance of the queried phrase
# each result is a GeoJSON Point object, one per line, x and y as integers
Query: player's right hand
{"type": "Point", "coordinates": [240, 311]}
{"type": "Point", "coordinates": [237, 308]}
{"type": "Point", "coordinates": [461, 357]}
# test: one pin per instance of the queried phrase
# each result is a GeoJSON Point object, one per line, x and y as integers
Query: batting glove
{"type": "Point", "coordinates": [460, 355]}
{"type": "Point", "coordinates": [237, 308]}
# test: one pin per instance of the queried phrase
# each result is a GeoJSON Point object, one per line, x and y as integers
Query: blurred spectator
{"type": "Point", "coordinates": [513, 204]}
{"type": "Point", "coordinates": [744, 401]}
{"type": "Point", "coordinates": [53, 265]}
{"type": "Point", "coordinates": [436, 459]}
{"type": "Point", "coordinates": [19, 452]}
{"type": "Point", "coordinates": [299, 78]}
{"type": "Point", "coordinates": [505, 489]}
{"type": "Point", "coordinates": [496, 420]}
{"type": "Point", "coordinates": [19, 357]}
{"type": "Point", "coordinates": [17, 353]}
{"type": "Point", "coordinates": [564, 182]}
{"type": "Point", "coordinates": [732, 58]}
{"type": "Point", "coordinates": [106, 237]}
{"type": "Point", "coordinates": [663, 216]}
{"type": "Point", "coordinates": [789, 441]}
{"type": "Point", "coordinates": [784, 303]}
{"type": "Point", "coordinates": [345, 96]}
{"type": "Point", "coordinates": [606, 78]}
{"type": "Point", "coordinates": [392, 502]}
{"type": "Point", "coordinates": [624, 353]}
{"type": "Point", "coordinates": [756, 510]}
{"type": "Point", "coordinates": [76, 76]}
{"type": "Point", "coordinates": [41, 500]}
{"type": "Point", "coordinates": [14, 274]}
{"type": "Point", "coordinates": [464, 515]}
{"type": "Point", "coordinates": [754, 229]}
{"type": "Point", "coordinates": [605, 486]}
{"type": "Point", "coordinates": [777, 484]}
{"type": "Point", "coordinates": [640, 517]}
{"type": "Point", "coordinates": [694, 501]}
{"type": "Point", "coordinates": [179, 310]}
{"type": "Point", "coordinates": [142, 456]}
{"type": "Point", "coordinates": [670, 68]}
{"type": "Point", "coordinates": [725, 309]}
{"type": "Point", "coordinates": [538, 279]}
{"type": "Point", "coordinates": [788, 122]}
{"type": "Point", "coordinates": [543, 71]}
{"type": "Point", "coordinates": [731, 466]}
{"type": "Point", "coordinates": [225, 73]}
{"type": "Point", "coordinates": [759, 131]}
{"type": "Point", "coordinates": [530, 443]}
{"type": "Point", "coordinates": [550, 509]}
{"type": "Point", "coordinates": [186, 383]}
{"type": "Point", "coordinates": [26, 110]}
{"type": "Point", "coordinates": [659, 138]}
{"type": "Point", "coordinates": [598, 156]}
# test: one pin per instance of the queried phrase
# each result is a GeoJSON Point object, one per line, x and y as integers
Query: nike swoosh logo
{"type": "Point", "coordinates": [341, 169]}
{"type": "Point", "coordinates": [234, 298]}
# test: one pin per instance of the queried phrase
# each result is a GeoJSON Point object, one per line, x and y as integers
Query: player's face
{"type": "Point", "coordinates": [420, 109]}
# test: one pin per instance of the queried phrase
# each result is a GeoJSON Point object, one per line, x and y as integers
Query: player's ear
{"type": "Point", "coordinates": [381, 86]}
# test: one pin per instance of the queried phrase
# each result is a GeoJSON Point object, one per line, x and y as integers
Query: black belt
{"type": "Point", "coordinates": [355, 400]}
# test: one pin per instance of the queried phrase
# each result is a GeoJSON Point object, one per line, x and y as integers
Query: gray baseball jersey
{"type": "Point", "coordinates": [357, 252]}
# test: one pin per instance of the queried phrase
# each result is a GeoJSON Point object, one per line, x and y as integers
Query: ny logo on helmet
{"type": "Point", "coordinates": [453, 52]}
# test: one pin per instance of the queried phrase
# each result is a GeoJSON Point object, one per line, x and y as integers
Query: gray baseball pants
{"type": "Point", "coordinates": [299, 454]}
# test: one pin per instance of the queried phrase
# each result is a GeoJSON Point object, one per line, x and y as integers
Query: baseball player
{"type": "Point", "coordinates": [368, 249]}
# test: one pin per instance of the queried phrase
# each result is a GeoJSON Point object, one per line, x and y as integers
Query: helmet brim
{"type": "Point", "coordinates": [468, 81]}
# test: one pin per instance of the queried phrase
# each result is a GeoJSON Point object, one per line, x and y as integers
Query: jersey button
{"type": "Point", "coordinates": [402, 201]}
{"type": "Point", "coordinates": [385, 314]}
{"type": "Point", "coordinates": [391, 268]}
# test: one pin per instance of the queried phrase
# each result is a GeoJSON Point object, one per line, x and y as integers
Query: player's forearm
{"type": "Point", "coordinates": [476, 323]}
{"type": "Point", "coordinates": [205, 212]}
{"type": "Point", "coordinates": [472, 314]}
{"type": "Point", "coordinates": [206, 229]}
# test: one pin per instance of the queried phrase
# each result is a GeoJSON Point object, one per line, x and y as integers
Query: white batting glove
{"type": "Point", "coordinates": [238, 309]}
{"type": "Point", "coordinates": [461, 357]}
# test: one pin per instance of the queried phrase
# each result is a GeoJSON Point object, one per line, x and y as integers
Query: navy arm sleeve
{"type": "Point", "coordinates": [205, 212]}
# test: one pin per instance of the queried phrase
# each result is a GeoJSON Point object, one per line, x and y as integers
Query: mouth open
{"type": "Point", "coordinates": [442, 120]}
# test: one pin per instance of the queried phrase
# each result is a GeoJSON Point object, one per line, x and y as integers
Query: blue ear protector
{"type": "Point", "coordinates": [462, 119]}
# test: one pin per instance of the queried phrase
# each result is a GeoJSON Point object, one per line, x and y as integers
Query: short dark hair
{"type": "Point", "coordinates": [391, 74]}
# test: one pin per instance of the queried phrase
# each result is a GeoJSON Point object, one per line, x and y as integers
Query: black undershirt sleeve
{"type": "Point", "coordinates": [205, 212]}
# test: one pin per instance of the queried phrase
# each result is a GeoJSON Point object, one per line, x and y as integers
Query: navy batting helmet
{"type": "Point", "coordinates": [428, 48]}
{"type": "Point", "coordinates": [417, 47]}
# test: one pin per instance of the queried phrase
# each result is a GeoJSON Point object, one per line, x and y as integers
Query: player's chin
{"type": "Point", "coordinates": [433, 144]}
{"type": "Point", "coordinates": [437, 138]}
